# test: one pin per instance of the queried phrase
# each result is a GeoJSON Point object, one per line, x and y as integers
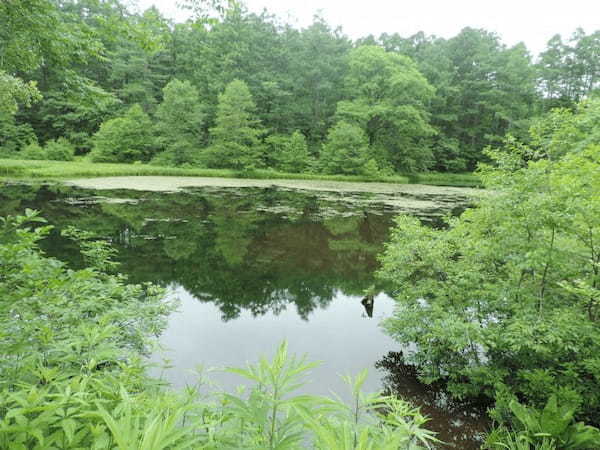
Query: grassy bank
{"type": "Point", "coordinates": [24, 169]}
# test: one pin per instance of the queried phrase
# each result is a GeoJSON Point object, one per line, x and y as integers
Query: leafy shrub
{"type": "Point", "coordinates": [505, 300]}
{"type": "Point", "coordinates": [32, 151]}
{"type": "Point", "coordinates": [124, 139]}
{"type": "Point", "coordinates": [59, 150]}
{"type": "Point", "coordinates": [179, 154]}
{"type": "Point", "coordinates": [7, 153]}
{"type": "Point", "coordinates": [13, 136]}
{"type": "Point", "coordinates": [70, 345]}
{"type": "Point", "coordinates": [553, 427]}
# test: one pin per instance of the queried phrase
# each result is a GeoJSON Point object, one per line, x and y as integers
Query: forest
{"type": "Point", "coordinates": [234, 89]}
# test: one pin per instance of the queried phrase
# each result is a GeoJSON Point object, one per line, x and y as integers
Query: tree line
{"type": "Point", "coordinates": [234, 89]}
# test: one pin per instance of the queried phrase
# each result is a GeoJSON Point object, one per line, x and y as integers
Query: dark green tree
{"type": "Point", "coordinates": [318, 64]}
{"type": "Point", "coordinates": [483, 91]}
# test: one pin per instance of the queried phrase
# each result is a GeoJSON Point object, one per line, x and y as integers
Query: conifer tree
{"type": "Point", "coordinates": [179, 120]}
{"type": "Point", "coordinates": [346, 150]}
{"type": "Point", "coordinates": [235, 138]}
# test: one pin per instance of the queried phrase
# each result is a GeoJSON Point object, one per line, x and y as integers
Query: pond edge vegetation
{"type": "Point", "coordinates": [11, 169]}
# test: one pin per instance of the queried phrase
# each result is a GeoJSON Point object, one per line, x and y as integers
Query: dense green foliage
{"type": "Point", "coordinates": [505, 301]}
{"type": "Point", "coordinates": [236, 135]}
{"type": "Point", "coordinates": [179, 120]}
{"type": "Point", "coordinates": [72, 373]}
{"type": "Point", "coordinates": [124, 139]}
{"type": "Point", "coordinates": [386, 98]}
{"type": "Point", "coordinates": [483, 91]}
{"type": "Point", "coordinates": [59, 150]}
{"type": "Point", "coordinates": [346, 150]}
{"type": "Point", "coordinates": [549, 428]}
{"type": "Point", "coordinates": [68, 67]}
{"type": "Point", "coordinates": [502, 304]}
{"type": "Point", "coordinates": [289, 153]}
{"type": "Point", "coordinates": [569, 70]}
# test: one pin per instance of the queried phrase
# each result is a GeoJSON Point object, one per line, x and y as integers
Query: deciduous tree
{"type": "Point", "coordinates": [387, 99]}
{"type": "Point", "coordinates": [124, 139]}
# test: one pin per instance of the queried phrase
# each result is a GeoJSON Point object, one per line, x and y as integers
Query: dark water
{"type": "Point", "coordinates": [252, 267]}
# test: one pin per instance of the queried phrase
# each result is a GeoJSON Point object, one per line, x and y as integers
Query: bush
{"type": "Point", "coordinates": [13, 136]}
{"type": "Point", "coordinates": [124, 139]}
{"type": "Point", "coordinates": [550, 428]}
{"type": "Point", "coordinates": [59, 150]}
{"type": "Point", "coordinates": [179, 154]}
{"type": "Point", "coordinates": [70, 346]}
{"type": "Point", "coordinates": [506, 299]}
{"type": "Point", "coordinates": [32, 151]}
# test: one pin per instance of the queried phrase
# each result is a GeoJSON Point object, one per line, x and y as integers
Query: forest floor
{"type": "Point", "coordinates": [41, 170]}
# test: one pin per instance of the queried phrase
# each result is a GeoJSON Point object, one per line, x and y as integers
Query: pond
{"type": "Point", "coordinates": [253, 264]}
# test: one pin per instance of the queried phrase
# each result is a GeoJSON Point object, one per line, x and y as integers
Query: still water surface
{"type": "Point", "coordinates": [254, 266]}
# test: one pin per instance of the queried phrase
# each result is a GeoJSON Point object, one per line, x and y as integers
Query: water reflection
{"type": "Point", "coordinates": [459, 424]}
{"type": "Point", "coordinates": [339, 335]}
{"type": "Point", "coordinates": [258, 252]}
{"type": "Point", "coordinates": [368, 302]}
{"type": "Point", "coordinates": [251, 267]}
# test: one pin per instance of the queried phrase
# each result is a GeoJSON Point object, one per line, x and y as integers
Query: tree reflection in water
{"type": "Point", "coordinates": [258, 250]}
{"type": "Point", "coordinates": [254, 252]}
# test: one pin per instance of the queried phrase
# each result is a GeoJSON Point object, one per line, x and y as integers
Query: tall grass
{"type": "Point", "coordinates": [24, 169]}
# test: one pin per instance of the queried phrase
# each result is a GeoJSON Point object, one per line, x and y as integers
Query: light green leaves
{"type": "Point", "coordinates": [552, 427]}
{"type": "Point", "coordinates": [506, 296]}
{"type": "Point", "coordinates": [14, 91]}
{"type": "Point", "coordinates": [386, 98]}
{"type": "Point", "coordinates": [179, 120]}
{"type": "Point", "coordinates": [124, 139]}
